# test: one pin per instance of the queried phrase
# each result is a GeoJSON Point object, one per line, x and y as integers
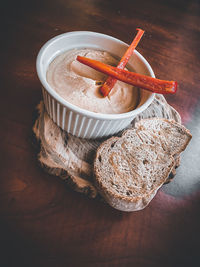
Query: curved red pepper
{"type": "Point", "coordinates": [136, 79]}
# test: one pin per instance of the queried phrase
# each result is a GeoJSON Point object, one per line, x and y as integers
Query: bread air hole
{"type": "Point", "coordinates": [112, 145]}
{"type": "Point", "coordinates": [145, 161]}
{"type": "Point", "coordinates": [99, 158]}
{"type": "Point", "coordinates": [128, 193]}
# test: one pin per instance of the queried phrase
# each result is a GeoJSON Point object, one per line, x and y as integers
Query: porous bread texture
{"type": "Point", "coordinates": [130, 169]}
{"type": "Point", "coordinates": [173, 136]}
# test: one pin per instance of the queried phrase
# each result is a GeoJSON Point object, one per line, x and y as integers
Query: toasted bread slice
{"type": "Point", "coordinates": [130, 169]}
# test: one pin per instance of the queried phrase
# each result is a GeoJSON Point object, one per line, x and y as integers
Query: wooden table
{"type": "Point", "coordinates": [42, 221]}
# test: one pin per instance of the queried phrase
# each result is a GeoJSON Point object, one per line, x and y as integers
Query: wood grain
{"type": "Point", "coordinates": [42, 222]}
{"type": "Point", "coordinates": [71, 158]}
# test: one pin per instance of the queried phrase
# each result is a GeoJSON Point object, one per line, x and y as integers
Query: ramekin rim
{"type": "Point", "coordinates": [90, 114]}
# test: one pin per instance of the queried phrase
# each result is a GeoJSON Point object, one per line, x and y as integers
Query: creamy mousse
{"type": "Point", "coordinates": [80, 84]}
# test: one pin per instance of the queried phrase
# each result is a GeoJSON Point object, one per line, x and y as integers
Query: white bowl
{"type": "Point", "coordinates": [78, 121]}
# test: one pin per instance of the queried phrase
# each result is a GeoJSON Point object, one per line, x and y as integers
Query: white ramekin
{"type": "Point", "coordinates": [75, 120]}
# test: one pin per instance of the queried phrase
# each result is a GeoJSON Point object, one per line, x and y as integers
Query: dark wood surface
{"type": "Point", "coordinates": [42, 222]}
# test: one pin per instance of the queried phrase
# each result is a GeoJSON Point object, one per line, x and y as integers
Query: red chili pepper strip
{"type": "Point", "coordinates": [136, 79]}
{"type": "Point", "coordinates": [110, 82]}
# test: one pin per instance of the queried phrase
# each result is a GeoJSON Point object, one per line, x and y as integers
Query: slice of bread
{"type": "Point", "coordinates": [128, 170]}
